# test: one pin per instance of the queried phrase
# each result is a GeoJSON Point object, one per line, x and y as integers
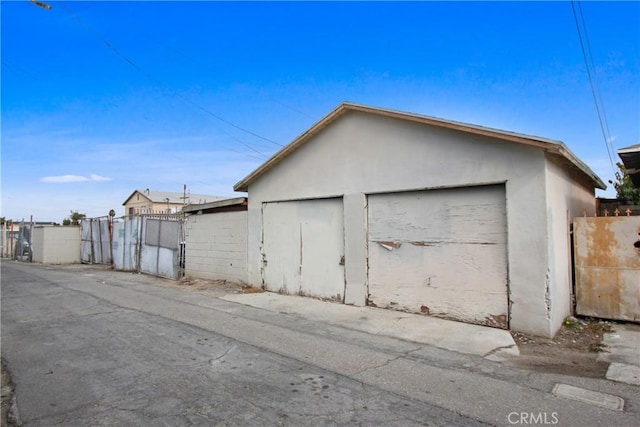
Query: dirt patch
{"type": "Point", "coordinates": [573, 351]}
{"type": "Point", "coordinates": [216, 288]}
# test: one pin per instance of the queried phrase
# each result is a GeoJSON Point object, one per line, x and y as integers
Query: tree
{"type": "Point", "coordinates": [74, 218]}
{"type": "Point", "coordinates": [626, 192]}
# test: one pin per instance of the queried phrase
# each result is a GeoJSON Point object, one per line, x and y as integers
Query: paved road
{"type": "Point", "coordinates": [95, 347]}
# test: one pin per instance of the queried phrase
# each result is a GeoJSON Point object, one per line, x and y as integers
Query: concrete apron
{"type": "Point", "coordinates": [493, 344]}
{"type": "Point", "coordinates": [623, 354]}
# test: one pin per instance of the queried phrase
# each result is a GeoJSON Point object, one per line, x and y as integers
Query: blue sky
{"type": "Point", "coordinates": [101, 98]}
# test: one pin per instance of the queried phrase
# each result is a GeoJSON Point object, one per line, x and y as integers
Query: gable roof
{"type": "Point", "coordinates": [174, 197]}
{"type": "Point", "coordinates": [551, 146]}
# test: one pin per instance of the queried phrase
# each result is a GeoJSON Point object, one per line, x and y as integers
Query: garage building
{"type": "Point", "coordinates": [384, 208]}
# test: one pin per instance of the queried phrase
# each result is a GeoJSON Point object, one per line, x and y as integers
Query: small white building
{"type": "Point", "coordinates": [397, 210]}
{"type": "Point", "coordinates": [56, 245]}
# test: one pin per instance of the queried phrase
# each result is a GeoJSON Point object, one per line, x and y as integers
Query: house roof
{"type": "Point", "coordinates": [630, 157]}
{"type": "Point", "coordinates": [551, 146]}
{"type": "Point", "coordinates": [174, 197]}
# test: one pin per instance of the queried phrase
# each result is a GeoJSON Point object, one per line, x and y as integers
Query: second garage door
{"type": "Point", "coordinates": [441, 252]}
{"type": "Point", "coordinates": [303, 248]}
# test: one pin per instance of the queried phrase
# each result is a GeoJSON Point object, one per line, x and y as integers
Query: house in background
{"type": "Point", "coordinates": [403, 211]}
{"type": "Point", "coordinates": [152, 201]}
{"type": "Point", "coordinates": [630, 157]}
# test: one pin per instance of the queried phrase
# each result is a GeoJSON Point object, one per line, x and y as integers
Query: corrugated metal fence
{"type": "Point", "coordinates": [151, 244]}
{"type": "Point", "coordinates": [95, 240]}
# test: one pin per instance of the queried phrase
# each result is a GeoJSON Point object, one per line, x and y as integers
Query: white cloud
{"type": "Point", "coordinates": [98, 178]}
{"type": "Point", "coordinates": [66, 179]}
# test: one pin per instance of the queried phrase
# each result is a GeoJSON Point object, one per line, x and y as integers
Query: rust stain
{"type": "Point", "coordinates": [424, 309]}
{"type": "Point", "coordinates": [371, 304]}
{"type": "Point", "coordinates": [606, 266]}
{"type": "Point", "coordinates": [602, 244]}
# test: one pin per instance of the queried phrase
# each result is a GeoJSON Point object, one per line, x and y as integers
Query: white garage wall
{"type": "Point", "coordinates": [566, 199]}
{"type": "Point", "coordinates": [362, 154]}
{"type": "Point", "coordinates": [216, 246]}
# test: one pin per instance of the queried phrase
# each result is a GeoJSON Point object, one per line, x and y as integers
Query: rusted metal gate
{"type": "Point", "coordinates": [95, 243]}
{"type": "Point", "coordinates": [607, 267]}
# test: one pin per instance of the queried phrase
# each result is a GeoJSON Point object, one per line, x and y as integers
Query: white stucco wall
{"type": "Point", "coordinates": [364, 154]}
{"type": "Point", "coordinates": [56, 245]}
{"type": "Point", "coordinates": [567, 197]}
{"type": "Point", "coordinates": [216, 246]}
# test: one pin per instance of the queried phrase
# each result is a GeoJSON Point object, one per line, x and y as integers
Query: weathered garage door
{"type": "Point", "coordinates": [441, 252]}
{"type": "Point", "coordinates": [303, 248]}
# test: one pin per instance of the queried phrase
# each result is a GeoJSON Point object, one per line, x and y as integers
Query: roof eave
{"type": "Point", "coordinates": [563, 151]}
{"type": "Point", "coordinates": [217, 204]}
{"type": "Point", "coordinates": [132, 194]}
{"type": "Point", "coordinates": [243, 185]}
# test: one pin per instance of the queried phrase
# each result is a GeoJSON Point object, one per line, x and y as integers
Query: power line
{"type": "Point", "coordinates": [156, 82]}
{"type": "Point", "coordinates": [197, 62]}
{"type": "Point", "coordinates": [588, 66]}
{"type": "Point", "coordinates": [595, 79]}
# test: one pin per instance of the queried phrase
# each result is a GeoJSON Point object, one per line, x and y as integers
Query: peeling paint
{"type": "Point", "coordinates": [497, 321]}
{"type": "Point", "coordinates": [547, 294]}
{"type": "Point", "coordinates": [421, 243]}
{"type": "Point", "coordinates": [450, 242]}
{"type": "Point", "coordinates": [390, 245]}
{"type": "Point", "coordinates": [440, 252]}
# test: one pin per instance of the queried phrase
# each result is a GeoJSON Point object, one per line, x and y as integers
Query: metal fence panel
{"type": "Point", "coordinates": [607, 267]}
{"type": "Point", "coordinates": [147, 244]}
{"type": "Point", "coordinates": [95, 243]}
{"type": "Point", "coordinates": [160, 249]}
{"type": "Point", "coordinates": [126, 237]}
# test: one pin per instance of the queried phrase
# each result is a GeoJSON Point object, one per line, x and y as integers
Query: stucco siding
{"type": "Point", "coordinates": [216, 246]}
{"type": "Point", "coordinates": [56, 245]}
{"type": "Point", "coordinates": [566, 198]}
{"type": "Point", "coordinates": [367, 154]}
